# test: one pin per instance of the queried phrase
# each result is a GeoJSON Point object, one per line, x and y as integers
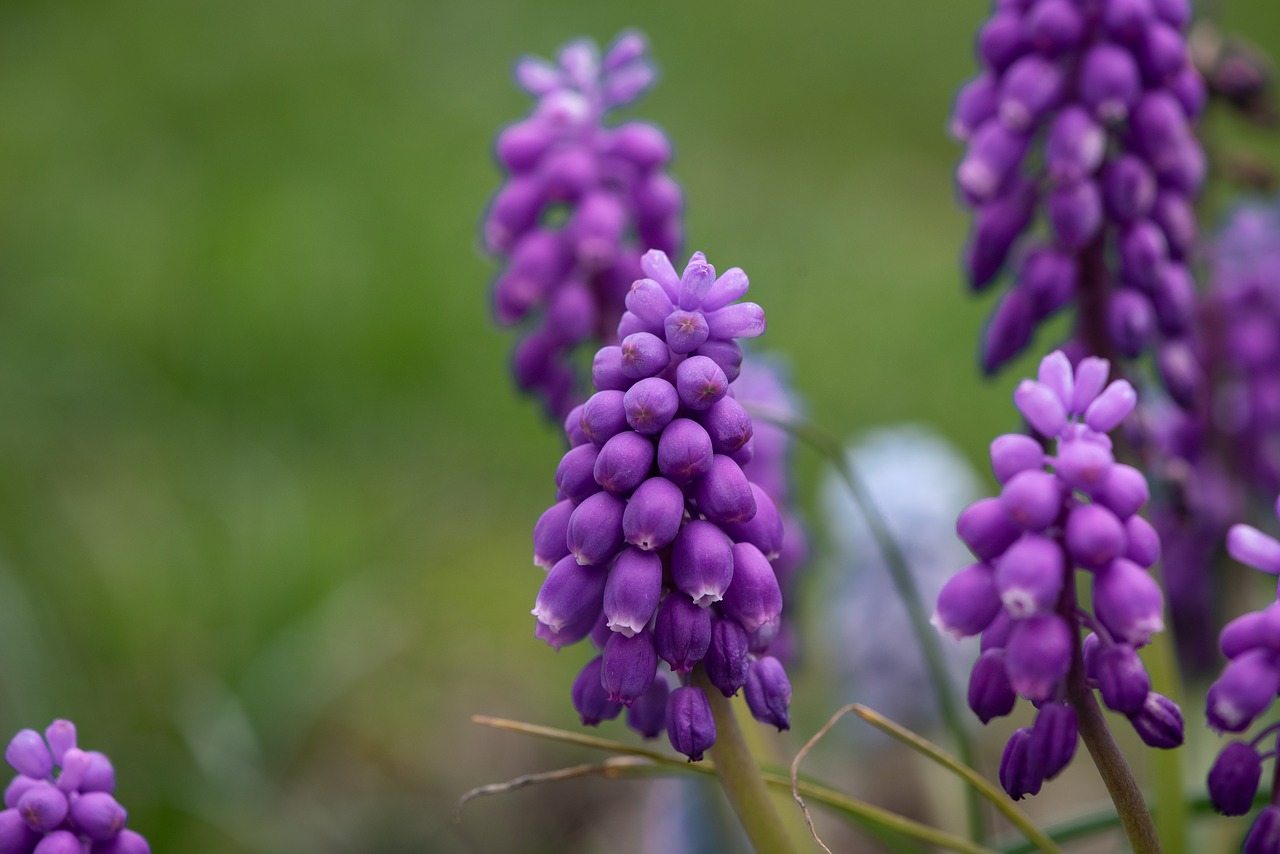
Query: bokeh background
{"type": "Point", "coordinates": [265, 488]}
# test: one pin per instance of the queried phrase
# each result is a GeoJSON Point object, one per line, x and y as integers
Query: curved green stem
{"type": "Point", "coordinates": [740, 777]}
{"type": "Point", "coordinates": [904, 584]}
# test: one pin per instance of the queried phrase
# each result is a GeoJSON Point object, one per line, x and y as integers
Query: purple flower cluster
{"type": "Point", "coordinates": [1082, 113]}
{"type": "Point", "coordinates": [70, 812]}
{"type": "Point", "coordinates": [1074, 507]}
{"type": "Point", "coordinates": [1248, 684]}
{"type": "Point", "coordinates": [659, 546]}
{"type": "Point", "coordinates": [582, 203]}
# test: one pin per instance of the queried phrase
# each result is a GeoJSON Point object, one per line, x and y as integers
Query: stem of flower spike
{"type": "Point", "coordinates": [740, 777]}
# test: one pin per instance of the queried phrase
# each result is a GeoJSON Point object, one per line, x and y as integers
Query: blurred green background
{"type": "Point", "coordinates": [265, 489]}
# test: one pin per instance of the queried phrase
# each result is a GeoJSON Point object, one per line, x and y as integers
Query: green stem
{"type": "Point", "coordinates": [740, 777]}
{"type": "Point", "coordinates": [1171, 808]}
{"type": "Point", "coordinates": [905, 586]}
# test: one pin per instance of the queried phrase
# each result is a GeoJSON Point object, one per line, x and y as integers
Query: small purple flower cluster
{"type": "Point", "coordinates": [659, 546]}
{"type": "Point", "coordinates": [1248, 684]}
{"type": "Point", "coordinates": [582, 203]}
{"type": "Point", "coordinates": [72, 812]}
{"type": "Point", "coordinates": [1103, 94]}
{"type": "Point", "coordinates": [1075, 508]}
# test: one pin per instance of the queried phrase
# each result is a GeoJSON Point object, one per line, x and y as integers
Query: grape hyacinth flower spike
{"type": "Point", "coordinates": [1081, 116]}
{"type": "Point", "coordinates": [659, 546]}
{"type": "Point", "coordinates": [62, 798]}
{"type": "Point", "coordinates": [1065, 504]}
{"type": "Point", "coordinates": [582, 202]}
{"type": "Point", "coordinates": [1244, 692]}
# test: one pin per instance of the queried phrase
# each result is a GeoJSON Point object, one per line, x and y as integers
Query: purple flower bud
{"type": "Point", "coordinates": [1033, 499]}
{"type": "Point", "coordinates": [1143, 253]}
{"type": "Point", "coordinates": [1122, 679]}
{"type": "Point", "coordinates": [700, 382]}
{"type": "Point", "coordinates": [1183, 168]}
{"type": "Point", "coordinates": [1009, 330]}
{"type": "Point", "coordinates": [1075, 213]}
{"type": "Point", "coordinates": [690, 725]}
{"type": "Point", "coordinates": [1109, 82]}
{"type": "Point", "coordinates": [1053, 739]}
{"type": "Point", "coordinates": [723, 494]}
{"type": "Point", "coordinates": [768, 692]}
{"type": "Point", "coordinates": [1017, 775]}
{"type": "Point", "coordinates": [648, 714]}
{"type": "Point", "coordinates": [1076, 145]}
{"type": "Point", "coordinates": [728, 656]}
{"type": "Point", "coordinates": [16, 787]}
{"type": "Point", "coordinates": [648, 301]}
{"type": "Point", "coordinates": [995, 153]}
{"type": "Point", "coordinates": [752, 598]}
{"type": "Point", "coordinates": [75, 764]}
{"type": "Point", "coordinates": [1038, 655]}
{"type": "Point", "coordinates": [589, 696]}
{"type": "Point", "coordinates": [1180, 372]}
{"type": "Point", "coordinates": [1159, 724]}
{"type": "Point", "coordinates": [1246, 687]}
{"type": "Point", "coordinates": [1126, 20]}
{"type": "Point", "coordinates": [644, 355]}
{"type": "Point", "coordinates": [764, 530]}
{"type": "Point", "coordinates": [702, 562]}
{"type": "Point", "coordinates": [740, 320]}
{"type": "Point", "coordinates": [975, 104]}
{"type": "Point", "coordinates": [728, 425]}
{"type": "Point", "coordinates": [630, 664]}
{"type": "Point", "coordinates": [1174, 299]}
{"type": "Point", "coordinates": [731, 285]}
{"type": "Point", "coordinates": [650, 405]}
{"type": "Point", "coordinates": [15, 836]}
{"type": "Point", "coordinates": [1042, 408]}
{"type": "Point", "coordinates": [101, 777]}
{"type": "Point", "coordinates": [1161, 53]}
{"type": "Point", "coordinates": [996, 227]}
{"type": "Point", "coordinates": [996, 635]}
{"type": "Point", "coordinates": [126, 842]}
{"type": "Point", "coordinates": [684, 451]}
{"type": "Point", "coordinates": [1173, 213]}
{"type": "Point", "coordinates": [582, 626]}
{"type": "Point", "coordinates": [594, 534]}
{"type": "Point", "coordinates": [61, 735]}
{"type": "Point", "coordinates": [1190, 90]}
{"type": "Point", "coordinates": [98, 816]}
{"type": "Point", "coordinates": [682, 632]}
{"type": "Point", "coordinates": [571, 314]}
{"type": "Point", "coordinates": [623, 463]}
{"type": "Point", "coordinates": [1159, 128]}
{"type": "Point", "coordinates": [1094, 536]}
{"type": "Point", "coordinates": [1128, 188]}
{"type": "Point", "coordinates": [1054, 26]}
{"type": "Point", "coordinates": [28, 754]}
{"type": "Point", "coordinates": [43, 807]}
{"type": "Point", "coordinates": [549, 534]}
{"type": "Point", "coordinates": [1029, 576]}
{"type": "Point", "coordinates": [60, 842]}
{"type": "Point", "coordinates": [1124, 491]}
{"type": "Point", "coordinates": [1028, 89]}
{"type": "Point", "coordinates": [513, 211]}
{"type": "Point", "coordinates": [652, 517]}
{"type": "Point", "coordinates": [1130, 321]}
{"type": "Point", "coordinates": [1083, 465]}
{"type": "Point", "coordinates": [1048, 277]}
{"type": "Point", "coordinates": [986, 528]}
{"type": "Point", "coordinates": [603, 416]}
{"type": "Point", "coordinates": [606, 375]}
{"type": "Point", "coordinates": [1091, 377]}
{"type": "Point", "coordinates": [1000, 41]}
{"type": "Point", "coordinates": [990, 695]}
{"type": "Point", "coordinates": [1245, 544]}
{"type": "Point", "coordinates": [632, 591]}
{"type": "Point", "coordinates": [1128, 602]}
{"type": "Point", "coordinates": [968, 602]}
{"type": "Point", "coordinates": [571, 593]}
{"type": "Point", "coordinates": [1056, 373]}
{"type": "Point", "coordinates": [1013, 453]}
{"type": "Point", "coordinates": [1143, 542]}
{"type": "Point", "coordinates": [686, 331]}
{"type": "Point", "coordinates": [1111, 407]}
{"type": "Point", "coordinates": [1234, 778]}
{"type": "Point", "coordinates": [1264, 834]}
{"type": "Point", "coordinates": [726, 354]}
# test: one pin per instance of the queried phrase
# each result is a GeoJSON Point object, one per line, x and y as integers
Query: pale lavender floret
{"type": "Point", "coordinates": [728, 425]}
{"type": "Point", "coordinates": [684, 451]}
{"type": "Point", "coordinates": [1159, 724]}
{"type": "Point", "coordinates": [60, 842]}
{"type": "Point", "coordinates": [594, 534]}
{"type": "Point", "coordinates": [1248, 684]}
{"type": "Point", "coordinates": [1053, 739]}
{"type": "Point", "coordinates": [549, 534]}
{"type": "Point", "coordinates": [753, 597]}
{"type": "Point", "coordinates": [702, 562]}
{"type": "Point", "coordinates": [1033, 499]}
{"type": "Point", "coordinates": [728, 656]}
{"type": "Point", "coordinates": [43, 807]}
{"type": "Point", "coordinates": [1233, 779]}
{"type": "Point", "coordinates": [98, 815]}
{"type": "Point", "coordinates": [1128, 601]}
{"type": "Point", "coordinates": [569, 593]}
{"type": "Point", "coordinates": [1013, 453]}
{"type": "Point", "coordinates": [632, 591]}
{"type": "Point", "coordinates": [1094, 536]}
{"type": "Point", "coordinates": [690, 725]}
{"type": "Point", "coordinates": [764, 530]}
{"type": "Point", "coordinates": [29, 755]}
{"type": "Point", "coordinates": [653, 514]}
{"type": "Point", "coordinates": [700, 382]}
{"type": "Point", "coordinates": [629, 666]}
{"type": "Point", "coordinates": [644, 355]}
{"type": "Point", "coordinates": [724, 494]}
{"type": "Point", "coordinates": [968, 602]}
{"type": "Point", "coordinates": [623, 463]}
{"type": "Point", "coordinates": [1251, 547]}
{"type": "Point", "coordinates": [589, 696]}
{"type": "Point", "coordinates": [1029, 576]}
{"type": "Point", "coordinates": [1122, 678]}
{"type": "Point", "coordinates": [603, 416]}
{"type": "Point", "coordinates": [1038, 655]}
{"type": "Point", "coordinates": [681, 632]}
{"type": "Point", "coordinates": [647, 715]}
{"type": "Point", "coordinates": [768, 692]}
{"type": "Point", "coordinates": [990, 694]}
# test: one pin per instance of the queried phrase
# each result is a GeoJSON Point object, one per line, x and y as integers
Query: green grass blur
{"type": "Point", "coordinates": [265, 489]}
